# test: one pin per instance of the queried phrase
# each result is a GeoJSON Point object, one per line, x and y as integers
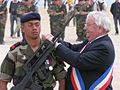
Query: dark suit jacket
{"type": "Point", "coordinates": [115, 9]}
{"type": "Point", "coordinates": [92, 62]}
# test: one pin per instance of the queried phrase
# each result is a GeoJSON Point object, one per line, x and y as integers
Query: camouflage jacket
{"type": "Point", "coordinates": [3, 15]}
{"type": "Point", "coordinates": [56, 8]}
{"type": "Point", "coordinates": [23, 8]}
{"type": "Point", "coordinates": [82, 8]}
{"type": "Point", "coordinates": [3, 8]}
{"type": "Point", "coordinates": [19, 53]}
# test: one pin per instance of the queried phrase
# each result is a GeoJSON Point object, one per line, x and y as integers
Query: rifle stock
{"type": "Point", "coordinates": [40, 56]}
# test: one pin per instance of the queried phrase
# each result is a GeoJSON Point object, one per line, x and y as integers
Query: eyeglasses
{"type": "Point", "coordinates": [88, 25]}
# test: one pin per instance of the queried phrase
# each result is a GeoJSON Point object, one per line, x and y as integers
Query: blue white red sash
{"type": "Point", "coordinates": [100, 84]}
{"type": "Point", "coordinates": [76, 79]}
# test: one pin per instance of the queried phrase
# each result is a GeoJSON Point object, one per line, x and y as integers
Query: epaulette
{"type": "Point", "coordinates": [15, 45]}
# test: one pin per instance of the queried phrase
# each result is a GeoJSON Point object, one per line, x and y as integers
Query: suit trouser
{"type": "Point", "coordinates": [116, 19]}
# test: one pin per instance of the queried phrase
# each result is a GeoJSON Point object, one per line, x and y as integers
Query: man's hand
{"type": "Point", "coordinates": [50, 37]}
{"type": "Point", "coordinates": [47, 37]}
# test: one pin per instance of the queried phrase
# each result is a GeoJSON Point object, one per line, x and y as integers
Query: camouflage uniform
{"type": "Point", "coordinates": [80, 19]}
{"type": "Point", "coordinates": [18, 55]}
{"type": "Point", "coordinates": [56, 22]}
{"type": "Point", "coordinates": [3, 18]}
{"type": "Point", "coordinates": [23, 9]}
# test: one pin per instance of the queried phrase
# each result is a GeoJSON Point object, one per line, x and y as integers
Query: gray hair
{"type": "Point", "coordinates": [101, 19]}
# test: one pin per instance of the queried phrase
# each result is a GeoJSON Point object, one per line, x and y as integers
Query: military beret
{"type": "Point", "coordinates": [29, 17]}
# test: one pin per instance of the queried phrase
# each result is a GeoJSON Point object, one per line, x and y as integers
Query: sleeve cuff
{"type": "Point", "coordinates": [56, 44]}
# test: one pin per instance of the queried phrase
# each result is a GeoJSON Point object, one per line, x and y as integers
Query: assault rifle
{"type": "Point", "coordinates": [40, 56]}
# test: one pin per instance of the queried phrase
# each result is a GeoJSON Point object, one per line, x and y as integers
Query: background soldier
{"type": "Point", "coordinates": [57, 12]}
{"type": "Point", "coordinates": [25, 6]}
{"type": "Point", "coordinates": [12, 67]}
{"type": "Point", "coordinates": [3, 18]}
{"type": "Point", "coordinates": [83, 8]}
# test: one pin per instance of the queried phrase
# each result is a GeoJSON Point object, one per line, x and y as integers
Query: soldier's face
{"type": "Point", "coordinates": [31, 29]}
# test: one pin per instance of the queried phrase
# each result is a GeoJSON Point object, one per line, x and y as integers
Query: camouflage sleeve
{"type": "Point", "coordinates": [21, 9]}
{"type": "Point", "coordinates": [59, 71]}
{"type": "Point", "coordinates": [7, 68]}
{"type": "Point", "coordinates": [50, 8]}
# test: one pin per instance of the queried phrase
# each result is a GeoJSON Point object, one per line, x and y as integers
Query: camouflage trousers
{"type": "Point", "coordinates": [57, 27]}
{"type": "Point", "coordinates": [2, 27]}
{"type": "Point", "coordinates": [80, 30]}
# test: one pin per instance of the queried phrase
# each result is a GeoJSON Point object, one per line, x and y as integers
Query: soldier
{"type": "Point", "coordinates": [12, 67]}
{"type": "Point", "coordinates": [3, 18]}
{"type": "Point", "coordinates": [82, 9]}
{"type": "Point", "coordinates": [57, 12]}
{"type": "Point", "coordinates": [24, 7]}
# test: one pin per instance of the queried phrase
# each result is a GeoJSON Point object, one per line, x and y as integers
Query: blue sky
{"type": "Point", "coordinates": [109, 2]}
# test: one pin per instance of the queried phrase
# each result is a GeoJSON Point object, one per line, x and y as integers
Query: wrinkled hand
{"type": "Point", "coordinates": [50, 37]}
{"type": "Point", "coordinates": [47, 37]}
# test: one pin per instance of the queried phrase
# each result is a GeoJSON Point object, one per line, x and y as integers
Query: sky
{"type": "Point", "coordinates": [109, 2]}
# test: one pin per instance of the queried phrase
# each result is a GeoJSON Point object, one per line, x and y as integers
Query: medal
{"type": "Point", "coordinates": [50, 68]}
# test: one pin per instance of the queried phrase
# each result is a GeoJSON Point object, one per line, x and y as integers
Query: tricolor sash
{"type": "Point", "coordinates": [100, 84]}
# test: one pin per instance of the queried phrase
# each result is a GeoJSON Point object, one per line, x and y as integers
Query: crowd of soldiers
{"type": "Point", "coordinates": [16, 10]}
{"type": "Point", "coordinates": [57, 10]}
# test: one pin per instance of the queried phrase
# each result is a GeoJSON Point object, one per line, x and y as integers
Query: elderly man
{"type": "Point", "coordinates": [12, 67]}
{"type": "Point", "coordinates": [90, 62]}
